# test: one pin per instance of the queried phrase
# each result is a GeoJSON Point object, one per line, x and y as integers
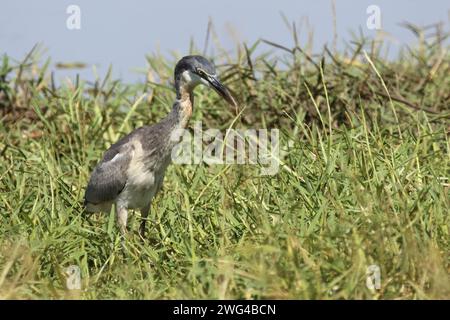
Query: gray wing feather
{"type": "Point", "coordinates": [110, 176]}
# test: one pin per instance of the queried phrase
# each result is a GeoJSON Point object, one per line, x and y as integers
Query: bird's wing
{"type": "Point", "coordinates": [110, 176]}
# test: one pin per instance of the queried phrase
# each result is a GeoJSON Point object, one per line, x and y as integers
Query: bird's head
{"type": "Point", "coordinates": [191, 71]}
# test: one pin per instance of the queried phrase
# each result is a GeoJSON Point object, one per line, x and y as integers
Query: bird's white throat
{"type": "Point", "coordinates": [192, 80]}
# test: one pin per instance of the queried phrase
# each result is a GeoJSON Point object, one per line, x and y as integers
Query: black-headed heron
{"type": "Point", "coordinates": [132, 170]}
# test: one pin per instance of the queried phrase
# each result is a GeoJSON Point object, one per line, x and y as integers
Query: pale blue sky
{"type": "Point", "coordinates": [121, 33]}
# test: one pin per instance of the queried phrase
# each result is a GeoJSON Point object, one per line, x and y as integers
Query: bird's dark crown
{"type": "Point", "coordinates": [194, 64]}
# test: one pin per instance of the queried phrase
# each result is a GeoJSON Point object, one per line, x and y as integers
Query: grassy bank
{"type": "Point", "coordinates": [364, 180]}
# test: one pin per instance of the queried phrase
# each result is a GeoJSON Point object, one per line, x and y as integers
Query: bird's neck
{"type": "Point", "coordinates": [182, 108]}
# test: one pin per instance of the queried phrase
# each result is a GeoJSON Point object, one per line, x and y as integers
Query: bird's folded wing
{"type": "Point", "coordinates": [110, 176]}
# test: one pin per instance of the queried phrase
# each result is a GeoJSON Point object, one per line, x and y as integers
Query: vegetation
{"type": "Point", "coordinates": [363, 180]}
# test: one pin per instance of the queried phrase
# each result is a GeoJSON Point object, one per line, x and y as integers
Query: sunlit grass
{"type": "Point", "coordinates": [365, 181]}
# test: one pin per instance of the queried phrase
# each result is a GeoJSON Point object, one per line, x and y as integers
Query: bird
{"type": "Point", "coordinates": [132, 170]}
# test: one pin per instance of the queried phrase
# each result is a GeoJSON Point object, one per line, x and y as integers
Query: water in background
{"type": "Point", "coordinates": [122, 33]}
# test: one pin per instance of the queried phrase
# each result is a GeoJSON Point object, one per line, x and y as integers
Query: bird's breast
{"type": "Point", "coordinates": [140, 187]}
{"type": "Point", "coordinates": [140, 173]}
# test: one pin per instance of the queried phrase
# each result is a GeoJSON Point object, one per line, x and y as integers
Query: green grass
{"type": "Point", "coordinates": [364, 180]}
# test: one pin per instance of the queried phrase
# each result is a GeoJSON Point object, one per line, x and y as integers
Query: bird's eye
{"type": "Point", "coordinates": [200, 71]}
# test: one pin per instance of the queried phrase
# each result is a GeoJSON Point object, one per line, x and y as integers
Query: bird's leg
{"type": "Point", "coordinates": [122, 216]}
{"type": "Point", "coordinates": [144, 214]}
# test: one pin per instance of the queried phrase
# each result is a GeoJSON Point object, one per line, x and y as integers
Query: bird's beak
{"type": "Point", "coordinates": [221, 90]}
